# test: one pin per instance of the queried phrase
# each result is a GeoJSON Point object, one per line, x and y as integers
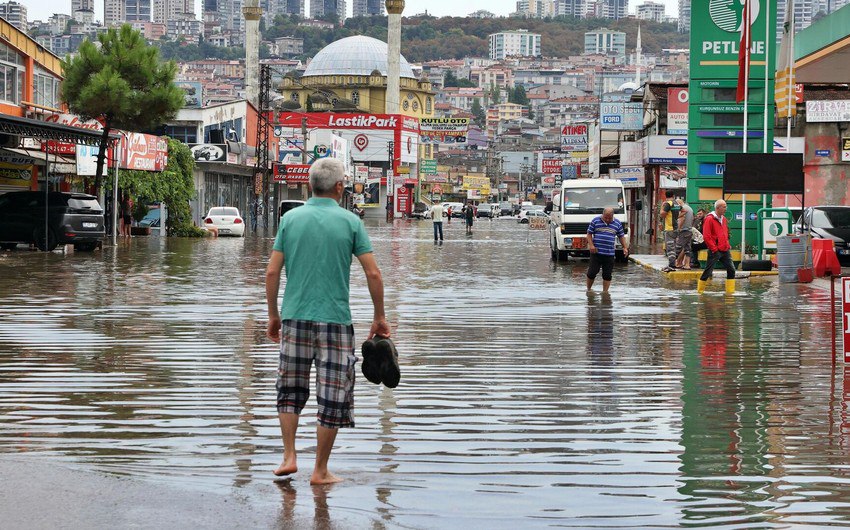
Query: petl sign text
{"type": "Point", "coordinates": [729, 47]}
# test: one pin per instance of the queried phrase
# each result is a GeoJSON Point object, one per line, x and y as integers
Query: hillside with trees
{"type": "Point", "coordinates": [426, 38]}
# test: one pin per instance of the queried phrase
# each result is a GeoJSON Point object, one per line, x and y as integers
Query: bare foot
{"type": "Point", "coordinates": [286, 468]}
{"type": "Point", "coordinates": [325, 478]}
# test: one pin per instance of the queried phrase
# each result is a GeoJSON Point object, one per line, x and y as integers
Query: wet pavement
{"type": "Point", "coordinates": [524, 401]}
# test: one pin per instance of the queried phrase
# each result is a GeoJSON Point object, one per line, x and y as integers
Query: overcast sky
{"type": "Point", "coordinates": [42, 9]}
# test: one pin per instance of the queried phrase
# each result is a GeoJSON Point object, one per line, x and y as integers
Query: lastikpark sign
{"type": "Point", "coordinates": [716, 27]}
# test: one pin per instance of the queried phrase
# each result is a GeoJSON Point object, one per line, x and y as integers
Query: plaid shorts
{"type": "Point", "coordinates": [331, 348]}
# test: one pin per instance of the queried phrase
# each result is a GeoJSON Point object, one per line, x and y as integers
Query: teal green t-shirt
{"type": "Point", "coordinates": [318, 241]}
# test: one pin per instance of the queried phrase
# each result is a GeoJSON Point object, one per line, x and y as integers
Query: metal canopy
{"type": "Point", "coordinates": [40, 130]}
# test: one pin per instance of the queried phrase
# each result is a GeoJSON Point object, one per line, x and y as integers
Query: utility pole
{"type": "Point", "coordinates": [390, 183]}
{"type": "Point", "coordinates": [304, 139]}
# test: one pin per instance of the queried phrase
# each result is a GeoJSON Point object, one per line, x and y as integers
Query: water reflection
{"type": "Point", "coordinates": [524, 401]}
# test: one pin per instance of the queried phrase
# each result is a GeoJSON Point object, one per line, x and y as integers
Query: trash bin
{"type": "Point", "coordinates": [792, 254]}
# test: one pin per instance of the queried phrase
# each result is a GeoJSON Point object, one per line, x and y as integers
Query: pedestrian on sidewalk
{"type": "Point", "coordinates": [313, 325]}
{"type": "Point", "coordinates": [669, 217]}
{"type": "Point", "coordinates": [684, 236]}
{"type": "Point", "coordinates": [715, 231]}
{"type": "Point", "coordinates": [698, 243]}
{"type": "Point", "coordinates": [437, 219]}
{"type": "Point", "coordinates": [602, 235]}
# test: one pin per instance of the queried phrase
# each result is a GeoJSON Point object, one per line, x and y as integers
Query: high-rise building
{"type": "Point", "coordinates": [294, 7]}
{"type": "Point", "coordinates": [82, 5]}
{"type": "Point", "coordinates": [368, 8]}
{"type": "Point", "coordinates": [165, 10]}
{"type": "Point", "coordinates": [137, 10]}
{"type": "Point", "coordinates": [684, 16]}
{"type": "Point", "coordinates": [615, 9]}
{"type": "Point", "coordinates": [321, 8]}
{"type": "Point", "coordinates": [114, 12]}
{"type": "Point", "coordinates": [535, 8]}
{"type": "Point", "coordinates": [650, 11]}
{"type": "Point", "coordinates": [15, 14]}
{"type": "Point", "coordinates": [605, 41]}
{"type": "Point", "coordinates": [514, 43]}
{"type": "Point", "coordinates": [570, 8]}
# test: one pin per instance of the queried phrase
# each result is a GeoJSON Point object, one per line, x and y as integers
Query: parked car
{"type": "Point", "coordinates": [287, 205]}
{"type": "Point", "coordinates": [421, 211]}
{"type": "Point", "coordinates": [506, 208]}
{"type": "Point", "coordinates": [153, 218]}
{"type": "Point", "coordinates": [457, 209]}
{"type": "Point", "coordinates": [524, 215]}
{"type": "Point", "coordinates": [828, 222]}
{"type": "Point", "coordinates": [487, 210]}
{"type": "Point", "coordinates": [71, 218]}
{"type": "Point", "coordinates": [226, 220]}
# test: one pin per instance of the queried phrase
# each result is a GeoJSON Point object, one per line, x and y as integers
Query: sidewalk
{"type": "Point", "coordinates": [658, 262]}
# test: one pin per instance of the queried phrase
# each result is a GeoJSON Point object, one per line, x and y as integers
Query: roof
{"type": "Point", "coordinates": [358, 55]}
{"type": "Point", "coordinates": [40, 130]}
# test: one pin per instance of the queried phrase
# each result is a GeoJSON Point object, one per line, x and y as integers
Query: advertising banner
{"type": "Point", "coordinates": [631, 153]}
{"type": "Point", "coordinates": [714, 48]}
{"type": "Point", "coordinates": [672, 177]}
{"type": "Point", "coordinates": [428, 166]}
{"type": "Point", "coordinates": [194, 94]}
{"type": "Point", "coordinates": [58, 148]}
{"type": "Point", "coordinates": [291, 173]}
{"type": "Point", "coordinates": [551, 166]}
{"type": "Point", "coordinates": [845, 317]}
{"type": "Point", "coordinates": [827, 111]}
{"type": "Point", "coordinates": [144, 152]}
{"type": "Point", "coordinates": [663, 149]}
{"type": "Point", "coordinates": [570, 171]}
{"type": "Point", "coordinates": [632, 177]}
{"type": "Point", "coordinates": [87, 160]}
{"type": "Point", "coordinates": [443, 130]}
{"type": "Point", "coordinates": [339, 151]}
{"type": "Point", "coordinates": [677, 111]}
{"type": "Point", "coordinates": [476, 183]}
{"type": "Point", "coordinates": [574, 137]}
{"type": "Point", "coordinates": [845, 150]}
{"type": "Point", "coordinates": [618, 116]}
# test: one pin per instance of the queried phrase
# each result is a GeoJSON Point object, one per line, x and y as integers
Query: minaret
{"type": "Point", "coordinates": [637, 59]}
{"type": "Point", "coordinates": [394, 9]}
{"type": "Point", "coordinates": [252, 12]}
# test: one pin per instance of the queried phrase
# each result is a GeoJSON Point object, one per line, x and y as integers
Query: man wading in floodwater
{"type": "Point", "coordinates": [313, 326]}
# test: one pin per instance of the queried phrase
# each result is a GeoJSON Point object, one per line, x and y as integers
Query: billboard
{"type": "Point", "coordinates": [291, 173]}
{"type": "Point", "coordinates": [574, 137]}
{"type": "Point", "coordinates": [632, 177]}
{"type": "Point", "coordinates": [551, 166]}
{"type": "Point", "coordinates": [194, 94]}
{"type": "Point", "coordinates": [714, 48]}
{"type": "Point", "coordinates": [828, 111]}
{"type": "Point", "coordinates": [144, 152]}
{"type": "Point", "coordinates": [664, 149]}
{"type": "Point", "coordinates": [677, 111]}
{"type": "Point", "coordinates": [87, 160]}
{"type": "Point", "coordinates": [620, 116]}
{"type": "Point", "coordinates": [450, 131]}
{"type": "Point", "coordinates": [209, 152]}
{"type": "Point", "coordinates": [631, 153]}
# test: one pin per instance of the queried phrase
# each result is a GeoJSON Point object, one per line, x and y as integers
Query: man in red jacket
{"type": "Point", "coordinates": [715, 231]}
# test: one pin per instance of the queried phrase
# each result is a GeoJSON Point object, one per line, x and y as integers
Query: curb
{"type": "Point", "coordinates": [695, 274]}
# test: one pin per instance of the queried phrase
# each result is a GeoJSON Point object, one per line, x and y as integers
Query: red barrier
{"type": "Point", "coordinates": [824, 259]}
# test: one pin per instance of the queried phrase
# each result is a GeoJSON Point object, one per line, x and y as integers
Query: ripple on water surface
{"type": "Point", "coordinates": [524, 400]}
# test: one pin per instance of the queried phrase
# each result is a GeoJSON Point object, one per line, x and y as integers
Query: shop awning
{"type": "Point", "coordinates": [29, 128]}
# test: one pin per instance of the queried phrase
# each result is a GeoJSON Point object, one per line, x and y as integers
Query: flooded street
{"type": "Point", "coordinates": [524, 401]}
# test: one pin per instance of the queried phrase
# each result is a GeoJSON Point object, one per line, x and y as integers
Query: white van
{"type": "Point", "coordinates": [574, 206]}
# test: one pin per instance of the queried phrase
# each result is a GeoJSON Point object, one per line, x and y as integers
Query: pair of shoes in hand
{"type": "Point", "coordinates": [380, 362]}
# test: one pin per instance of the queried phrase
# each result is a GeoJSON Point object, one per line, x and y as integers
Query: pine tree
{"type": "Point", "coordinates": [123, 84]}
{"type": "Point", "coordinates": [478, 112]}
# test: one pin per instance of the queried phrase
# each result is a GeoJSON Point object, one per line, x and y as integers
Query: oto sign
{"type": "Point", "coordinates": [677, 110]}
{"type": "Point", "coordinates": [292, 173]}
{"type": "Point", "coordinates": [551, 166]}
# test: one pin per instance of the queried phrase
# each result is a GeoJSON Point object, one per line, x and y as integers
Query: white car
{"type": "Point", "coordinates": [524, 215]}
{"type": "Point", "coordinates": [226, 220]}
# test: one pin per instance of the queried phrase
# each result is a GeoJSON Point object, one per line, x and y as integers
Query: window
{"type": "Point", "coordinates": [428, 105]}
{"type": "Point", "coordinates": [355, 97]}
{"type": "Point", "coordinates": [45, 89]}
{"type": "Point", "coordinates": [184, 133]}
{"type": "Point", "coordinates": [295, 97]}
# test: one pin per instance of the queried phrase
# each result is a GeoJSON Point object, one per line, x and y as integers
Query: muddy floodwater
{"type": "Point", "coordinates": [524, 401]}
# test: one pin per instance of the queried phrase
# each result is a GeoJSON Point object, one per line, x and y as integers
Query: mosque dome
{"type": "Point", "coordinates": [358, 55]}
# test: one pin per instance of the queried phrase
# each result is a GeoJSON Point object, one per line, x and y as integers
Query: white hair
{"type": "Point", "coordinates": [718, 202]}
{"type": "Point", "coordinates": [324, 174]}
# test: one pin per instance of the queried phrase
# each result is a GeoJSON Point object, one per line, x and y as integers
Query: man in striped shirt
{"type": "Point", "coordinates": [602, 235]}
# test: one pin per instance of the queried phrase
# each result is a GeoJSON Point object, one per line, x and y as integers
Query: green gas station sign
{"type": "Point", "coordinates": [715, 120]}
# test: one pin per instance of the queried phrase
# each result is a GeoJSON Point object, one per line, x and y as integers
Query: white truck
{"type": "Point", "coordinates": [574, 205]}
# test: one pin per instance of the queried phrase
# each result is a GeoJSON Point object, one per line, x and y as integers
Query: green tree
{"type": "Point", "coordinates": [449, 80]}
{"type": "Point", "coordinates": [495, 94]}
{"type": "Point", "coordinates": [174, 187]}
{"type": "Point", "coordinates": [122, 83]}
{"type": "Point", "coordinates": [518, 96]}
{"type": "Point", "coordinates": [479, 116]}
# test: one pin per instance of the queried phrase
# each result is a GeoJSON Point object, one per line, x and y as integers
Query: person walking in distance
{"type": "Point", "coordinates": [684, 236]}
{"type": "Point", "coordinates": [437, 219]}
{"type": "Point", "coordinates": [316, 243]}
{"type": "Point", "coordinates": [715, 232]}
{"type": "Point", "coordinates": [602, 235]}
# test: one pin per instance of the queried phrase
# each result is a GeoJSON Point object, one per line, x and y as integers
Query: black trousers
{"type": "Point", "coordinates": [599, 261]}
{"type": "Point", "coordinates": [725, 258]}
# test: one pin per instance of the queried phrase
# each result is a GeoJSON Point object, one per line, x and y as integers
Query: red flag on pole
{"type": "Point", "coordinates": [744, 53]}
